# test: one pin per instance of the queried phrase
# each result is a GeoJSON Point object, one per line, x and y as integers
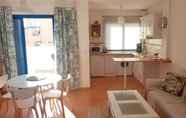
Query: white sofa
{"type": "Point", "coordinates": [166, 105]}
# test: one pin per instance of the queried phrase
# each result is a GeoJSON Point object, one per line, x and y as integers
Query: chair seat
{"type": "Point", "coordinates": [7, 96]}
{"type": "Point", "coordinates": [54, 93]}
{"type": "Point", "coordinates": [26, 103]}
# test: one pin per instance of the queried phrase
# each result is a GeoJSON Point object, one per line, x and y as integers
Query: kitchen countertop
{"type": "Point", "coordinates": [141, 59]}
{"type": "Point", "coordinates": [130, 53]}
{"type": "Point", "coordinates": [133, 55]}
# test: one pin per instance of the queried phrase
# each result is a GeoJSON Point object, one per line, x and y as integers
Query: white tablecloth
{"type": "Point", "coordinates": [22, 82]}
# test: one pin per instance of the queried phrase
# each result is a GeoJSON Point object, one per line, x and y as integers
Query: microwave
{"type": "Point", "coordinates": [96, 48]}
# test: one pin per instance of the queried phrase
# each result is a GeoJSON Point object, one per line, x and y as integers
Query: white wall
{"type": "Point", "coordinates": [98, 14]}
{"type": "Point", "coordinates": [162, 9]}
{"type": "Point", "coordinates": [83, 31]}
{"type": "Point", "coordinates": [36, 6]}
{"type": "Point", "coordinates": [177, 40]}
{"type": "Point", "coordinates": [176, 43]}
{"type": "Point", "coordinates": [175, 35]}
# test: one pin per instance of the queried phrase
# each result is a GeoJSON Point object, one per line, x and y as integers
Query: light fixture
{"type": "Point", "coordinates": [121, 19]}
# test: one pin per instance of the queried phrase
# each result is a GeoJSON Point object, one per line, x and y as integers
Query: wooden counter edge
{"type": "Point", "coordinates": [166, 60]}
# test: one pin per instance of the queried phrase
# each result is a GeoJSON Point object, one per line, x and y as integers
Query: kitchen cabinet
{"type": "Point", "coordinates": [151, 26]}
{"type": "Point", "coordinates": [109, 65]}
{"type": "Point", "coordinates": [112, 68]}
{"type": "Point", "coordinates": [146, 70]}
{"type": "Point", "coordinates": [103, 65]}
{"type": "Point", "coordinates": [118, 69]}
{"type": "Point", "coordinates": [97, 65]}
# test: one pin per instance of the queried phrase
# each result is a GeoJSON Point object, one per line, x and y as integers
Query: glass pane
{"type": "Point", "coordinates": [132, 108]}
{"type": "Point", "coordinates": [40, 46]}
{"type": "Point", "coordinates": [114, 36]}
{"type": "Point", "coordinates": [126, 96]}
{"type": "Point", "coordinates": [132, 36]}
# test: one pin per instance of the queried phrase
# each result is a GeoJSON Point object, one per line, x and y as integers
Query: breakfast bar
{"type": "Point", "coordinates": [134, 60]}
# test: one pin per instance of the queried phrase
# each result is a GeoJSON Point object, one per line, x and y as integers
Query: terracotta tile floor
{"type": "Point", "coordinates": [81, 102]}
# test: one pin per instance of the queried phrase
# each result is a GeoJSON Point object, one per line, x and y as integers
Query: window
{"type": "Point", "coordinates": [122, 37]}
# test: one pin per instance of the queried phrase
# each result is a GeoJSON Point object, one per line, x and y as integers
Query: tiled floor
{"type": "Point", "coordinates": [83, 103]}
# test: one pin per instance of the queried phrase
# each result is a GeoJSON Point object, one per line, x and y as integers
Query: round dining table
{"type": "Point", "coordinates": [40, 79]}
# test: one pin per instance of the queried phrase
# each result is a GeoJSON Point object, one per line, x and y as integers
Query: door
{"type": "Point", "coordinates": [35, 44]}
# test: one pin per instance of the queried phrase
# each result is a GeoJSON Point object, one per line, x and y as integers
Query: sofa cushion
{"type": "Point", "coordinates": [170, 105]}
{"type": "Point", "coordinates": [174, 110]}
{"type": "Point", "coordinates": [173, 84]}
{"type": "Point", "coordinates": [161, 97]}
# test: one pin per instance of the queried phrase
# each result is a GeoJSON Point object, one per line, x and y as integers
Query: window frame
{"type": "Point", "coordinates": [123, 35]}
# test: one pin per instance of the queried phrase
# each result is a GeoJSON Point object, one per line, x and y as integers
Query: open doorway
{"type": "Point", "coordinates": [38, 43]}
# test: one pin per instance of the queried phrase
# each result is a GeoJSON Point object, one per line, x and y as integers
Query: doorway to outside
{"type": "Point", "coordinates": [39, 44]}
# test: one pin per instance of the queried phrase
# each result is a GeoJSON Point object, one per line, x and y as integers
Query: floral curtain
{"type": "Point", "coordinates": [7, 42]}
{"type": "Point", "coordinates": [66, 37]}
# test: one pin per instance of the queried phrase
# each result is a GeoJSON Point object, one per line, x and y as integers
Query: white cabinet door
{"type": "Point", "coordinates": [139, 71]}
{"type": "Point", "coordinates": [151, 26]}
{"type": "Point", "coordinates": [118, 68]}
{"type": "Point", "coordinates": [113, 68]}
{"type": "Point", "coordinates": [97, 65]}
{"type": "Point", "coordinates": [109, 65]}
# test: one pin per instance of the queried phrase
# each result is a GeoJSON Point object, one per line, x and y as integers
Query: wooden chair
{"type": "Point", "coordinates": [4, 97]}
{"type": "Point", "coordinates": [55, 95]}
{"type": "Point", "coordinates": [42, 91]}
{"type": "Point", "coordinates": [24, 99]}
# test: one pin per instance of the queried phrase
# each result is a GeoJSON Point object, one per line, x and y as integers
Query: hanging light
{"type": "Point", "coordinates": [121, 19]}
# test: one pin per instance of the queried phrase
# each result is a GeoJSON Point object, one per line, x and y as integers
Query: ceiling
{"type": "Point", "coordinates": [125, 4]}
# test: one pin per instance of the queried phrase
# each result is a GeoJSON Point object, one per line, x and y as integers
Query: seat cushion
{"type": "Point", "coordinates": [175, 110]}
{"type": "Point", "coordinates": [7, 96]}
{"type": "Point", "coordinates": [170, 105]}
{"type": "Point", "coordinates": [163, 97]}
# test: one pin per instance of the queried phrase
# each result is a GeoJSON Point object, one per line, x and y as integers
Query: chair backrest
{"type": "Point", "coordinates": [24, 98]}
{"type": "Point", "coordinates": [3, 80]}
{"type": "Point", "coordinates": [46, 88]}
